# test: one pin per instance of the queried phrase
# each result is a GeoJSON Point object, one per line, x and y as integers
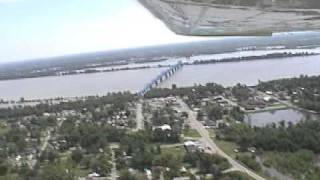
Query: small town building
{"type": "Point", "coordinates": [190, 146]}
{"type": "Point", "coordinates": [267, 98]}
{"type": "Point", "coordinates": [164, 127]}
{"type": "Point", "coordinates": [269, 92]}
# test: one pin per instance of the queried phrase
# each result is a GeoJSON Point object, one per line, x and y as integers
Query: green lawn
{"type": "Point", "coordinates": [236, 175]}
{"type": "Point", "coordinates": [177, 151]}
{"type": "Point", "coordinates": [227, 147]}
{"type": "Point", "coordinates": [4, 130]}
{"type": "Point", "coordinates": [191, 133]}
{"type": "Point", "coordinates": [212, 133]}
{"type": "Point", "coordinates": [9, 177]}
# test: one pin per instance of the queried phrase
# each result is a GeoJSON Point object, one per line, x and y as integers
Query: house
{"type": "Point", "coordinates": [269, 92]}
{"type": "Point", "coordinates": [46, 114]}
{"type": "Point", "coordinates": [93, 176]}
{"type": "Point", "coordinates": [170, 100]}
{"type": "Point", "coordinates": [190, 146]}
{"type": "Point", "coordinates": [249, 107]}
{"type": "Point", "coordinates": [219, 98]}
{"type": "Point", "coordinates": [164, 127]}
{"type": "Point", "coordinates": [18, 158]}
{"type": "Point", "coordinates": [148, 174]}
{"type": "Point", "coordinates": [205, 101]}
{"type": "Point", "coordinates": [267, 98]}
{"type": "Point", "coordinates": [183, 169]}
{"type": "Point", "coordinates": [210, 123]}
{"type": "Point", "coordinates": [223, 102]}
{"type": "Point", "coordinates": [222, 123]}
{"type": "Point", "coordinates": [196, 109]}
{"type": "Point", "coordinates": [184, 114]}
{"type": "Point", "coordinates": [252, 149]}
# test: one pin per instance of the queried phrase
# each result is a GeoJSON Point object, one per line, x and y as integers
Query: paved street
{"type": "Point", "coordinates": [206, 139]}
{"type": "Point", "coordinates": [45, 144]}
{"type": "Point", "coordinates": [114, 173]}
{"type": "Point", "coordinates": [139, 116]}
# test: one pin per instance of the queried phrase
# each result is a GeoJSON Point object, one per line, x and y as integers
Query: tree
{"type": "Point", "coordinates": [212, 163]}
{"type": "Point", "coordinates": [52, 155]}
{"type": "Point", "coordinates": [141, 159]}
{"type": "Point", "coordinates": [250, 161]}
{"type": "Point", "coordinates": [56, 172]}
{"type": "Point", "coordinates": [187, 128]}
{"type": "Point", "coordinates": [101, 165]}
{"type": "Point", "coordinates": [215, 112]}
{"type": "Point", "coordinates": [77, 156]}
{"type": "Point", "coordinates": [174, 86]}
{"type": "Point", "coordinates": [4, 167]}
{"type": "Point", "coordinates": [126, 175]}
{"type": "Point", "coordinates": [26, 172]}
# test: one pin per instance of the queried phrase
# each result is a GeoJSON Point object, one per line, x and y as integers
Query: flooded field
{"type": "Point", "coordinates": [288, 116]}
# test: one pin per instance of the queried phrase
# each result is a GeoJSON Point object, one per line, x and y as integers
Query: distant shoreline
{"type": "Point", "coordinates": [254, 58]}
{"type": "Point", "coordinates": [277, 55]}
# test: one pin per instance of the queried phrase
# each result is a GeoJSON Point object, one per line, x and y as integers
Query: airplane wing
{"type": "Point", "coordinates": [236, 17]}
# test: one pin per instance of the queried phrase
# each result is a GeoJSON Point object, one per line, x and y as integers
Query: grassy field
{"type": "Point", "coordinates": [212, 133]}
{"type": "Point", "coordinates": [191, 133]}
{"type": "Point", "coordinates": [3, 129]}
{"type": "Point", "coordinates": [9, 177]}
{"type": "Point", "coordinates": [177, 151]}
{"type": "Point", "coordinates": [227, 147]}
{"type": "Point", "coordinates": [65, 160]}
{"type": "Point", "coordinates": [237, 176]}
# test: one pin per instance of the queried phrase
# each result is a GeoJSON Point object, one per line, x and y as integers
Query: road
{"type": "Point", "coordinates": [45, 144]}
{"type": "Point", "coordinates": [114, 173]}
{"type": "Point", "coordinates": [206, 139]}
{"type": "Point", "coordinates": [42, 148]}
{"type": "Point", "coordinates": [139, 116]}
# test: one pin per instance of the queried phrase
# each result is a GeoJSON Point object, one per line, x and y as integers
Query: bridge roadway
{"type": "Point", "coordinates": [160, 78]}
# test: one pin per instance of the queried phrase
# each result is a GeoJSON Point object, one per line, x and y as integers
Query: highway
{"type": "Point", "coordinates": [206, 139]}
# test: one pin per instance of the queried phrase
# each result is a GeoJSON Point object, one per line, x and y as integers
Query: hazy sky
{"type": "Point", "coordinates": [42, 28]}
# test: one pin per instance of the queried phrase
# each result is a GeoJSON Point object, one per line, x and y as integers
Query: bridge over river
{"type": "Point", "coordinates": [160, 78]}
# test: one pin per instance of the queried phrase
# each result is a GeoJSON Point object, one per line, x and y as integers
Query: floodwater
{"type": "Point", "coordinates": [227, 74]}
{"type": "Point", "coordinates": [262, 119]}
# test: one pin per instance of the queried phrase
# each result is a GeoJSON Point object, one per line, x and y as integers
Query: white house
{"type": "Point", "coordinates": [164, 127]}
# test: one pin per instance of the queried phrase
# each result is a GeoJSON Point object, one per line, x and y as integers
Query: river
{"type": "Point", "coordinates": [227, 74]}
{"type": "Point", "coordinates": [77, 85]}
{"type": "Point", "coordinates": [246, 72]}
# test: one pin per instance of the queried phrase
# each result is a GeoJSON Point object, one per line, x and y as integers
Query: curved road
{"type": "Point", "coordinates": [236, 166]}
